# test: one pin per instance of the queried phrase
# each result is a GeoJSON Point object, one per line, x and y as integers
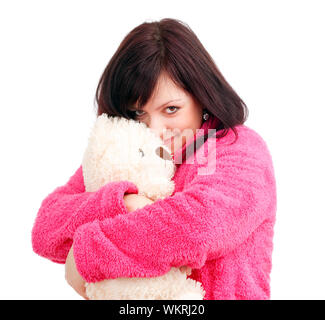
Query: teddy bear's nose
{"type": "Point", "coordinates": [163, 153]}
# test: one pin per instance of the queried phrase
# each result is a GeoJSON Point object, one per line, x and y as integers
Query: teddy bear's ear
{"type": "Point", "coordinates": [163, 153]}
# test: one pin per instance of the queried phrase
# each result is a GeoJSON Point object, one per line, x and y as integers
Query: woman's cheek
{"type": "Point", "coordinates": [178, 143]}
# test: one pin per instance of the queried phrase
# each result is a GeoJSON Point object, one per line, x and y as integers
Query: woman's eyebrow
{"type": "Point", "coordinates": [168, 102]}
{"type": "Point", "coordinates": [134, 108]}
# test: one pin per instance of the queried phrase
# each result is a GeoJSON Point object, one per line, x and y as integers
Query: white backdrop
{"type": "Point", "coordinates": [52, 55]}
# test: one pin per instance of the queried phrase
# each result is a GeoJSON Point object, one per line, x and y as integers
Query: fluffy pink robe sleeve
{"type": "Point", "coordinates": [220, 224]}
{"type": "Point", "coordinates": [69, 207]}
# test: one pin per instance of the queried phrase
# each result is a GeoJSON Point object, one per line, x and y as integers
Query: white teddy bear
{"type": "Point", "coordinates": [118, 150]}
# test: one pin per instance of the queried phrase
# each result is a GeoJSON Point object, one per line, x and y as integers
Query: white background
{"type": "Point", "coordinates": [52, 55]}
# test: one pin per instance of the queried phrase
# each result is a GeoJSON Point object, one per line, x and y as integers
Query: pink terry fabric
{"type": "Point", "coordinates": [68, 207]}
{"type": "Point", "coordinates": [220, 224]}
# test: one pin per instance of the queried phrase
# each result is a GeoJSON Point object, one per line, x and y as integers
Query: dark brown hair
{"type": "Point", "coordinates": [169, 46]}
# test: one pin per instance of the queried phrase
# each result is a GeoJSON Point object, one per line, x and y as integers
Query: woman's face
{"type": "Point", "coordinates": [171, 113]}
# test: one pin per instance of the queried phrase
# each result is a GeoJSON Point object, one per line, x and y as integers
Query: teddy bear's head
{"type": "Point", "coordinates": [120, 149]}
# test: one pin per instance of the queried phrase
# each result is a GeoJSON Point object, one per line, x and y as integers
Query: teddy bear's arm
{"type": "Point", "coordinates": [68, 207]}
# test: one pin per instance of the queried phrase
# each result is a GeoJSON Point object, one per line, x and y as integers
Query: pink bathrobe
{"type": "Point", "coordinates": [219, 221]}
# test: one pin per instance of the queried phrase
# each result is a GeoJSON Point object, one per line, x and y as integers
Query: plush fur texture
{"type": "Point", "coordinates": [219, 224]}
{"type": "Point", "coordinates": [120, 149]}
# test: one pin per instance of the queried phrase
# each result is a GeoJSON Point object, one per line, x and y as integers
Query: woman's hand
{"type": "Point", "coordinates": [73, 277]}
{"type": "Point", "coordinates": [134, 201]}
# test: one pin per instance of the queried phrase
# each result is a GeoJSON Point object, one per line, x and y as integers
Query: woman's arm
{"type": "Point", "coordinates": [73, 277]}
{"type": "Point", "coordinates": [212, 216]}
{"type": "Point", "coordinates": [70, 206]}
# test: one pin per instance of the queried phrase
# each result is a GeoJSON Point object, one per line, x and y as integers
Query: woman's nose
{"type": "Point", "coordinates": [157, 127]}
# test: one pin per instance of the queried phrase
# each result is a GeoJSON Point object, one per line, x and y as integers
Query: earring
{"type": "Point", "coordinates": [205, 116]}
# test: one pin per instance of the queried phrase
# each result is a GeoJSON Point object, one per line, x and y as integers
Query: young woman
{"type": "Point", "coordinates": [220, 219]}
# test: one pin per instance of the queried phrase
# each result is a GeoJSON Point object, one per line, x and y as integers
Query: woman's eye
{"type": "Point", "coordinates": [138, 115]}
{"type": "Point", "coordinates": [172, 107]}
{"type": "Point", "coordinates": [172, 110]}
